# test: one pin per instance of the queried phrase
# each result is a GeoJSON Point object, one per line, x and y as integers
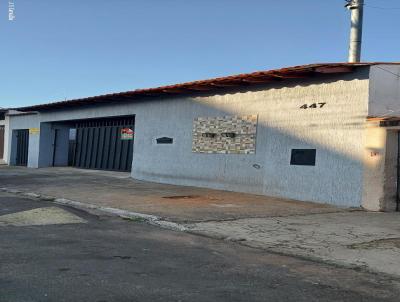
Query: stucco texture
{"type": "Point", "coordinates": [336, 131]}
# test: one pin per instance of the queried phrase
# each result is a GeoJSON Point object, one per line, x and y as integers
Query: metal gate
{"type": "Point", "coordinates": [1, 142]}
{"type": "Point", "coordinates": [100, 145]}
{"type": "Point", "coordinates": [22, 147]}
{"type": "Point", "coordinates": [398, 174]}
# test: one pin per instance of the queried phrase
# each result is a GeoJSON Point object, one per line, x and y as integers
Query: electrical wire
{"type": "Point", "coordinates": [388, 71]}
{"type": "Point", "coordinates": [374, 7]}
{"type": "Point", "coordinates": [379, 7]}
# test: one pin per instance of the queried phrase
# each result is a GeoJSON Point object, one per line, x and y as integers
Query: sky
{"type": "Point", "coordinates": [55, 50]}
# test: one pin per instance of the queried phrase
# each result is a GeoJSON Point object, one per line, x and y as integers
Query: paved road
{"type": "Point", "coordinates": [51, 253]}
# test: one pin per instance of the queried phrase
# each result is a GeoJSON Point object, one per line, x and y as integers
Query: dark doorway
{"type": "Point", "coordinates": [1, 142]}
{"type": "Point", "coordinates": [60, 145]}
{"type": "Point", "coordinates": [22, 147]}
{"type": "Point", "coordinates": [398, 174]}
{"type": "Point", "coordinates": [71, 147]}
{"type": "Point", "coordinates": [55, 146]}
{"type": "Point", "coordinates": [104, 144]}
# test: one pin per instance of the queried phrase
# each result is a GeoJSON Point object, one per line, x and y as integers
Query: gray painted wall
{"type": "Point", "coordinates": [7, 134]}
{"type": "Point", "coordinates": [336, 131]}
{"type": "Point", "coordinates": [380, 161]}
{"type": "Point", "coordinates": [24, 122]}
{"type": "Point", "coordinates": [40, 144]}
{"type": "Point", "coordinates": [384, 90]}
{"type": "Point", "coordinates": [61, 146]}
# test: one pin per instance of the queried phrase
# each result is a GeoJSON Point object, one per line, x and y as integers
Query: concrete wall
{"type": "Point", "coordinates": [374, 163]}
{"type": "Point", "coordinates": [380, 174]}
{"type": "Point", "coordinates": [40, 153]}
{"type": "Point", "coordinates": [336, 130]}
{"type": "Point", "coordinates": [24, 122]}
{"type": "Point", "coordinates": [390, 176]}
{"type": "Point", "coordinates": [5, 123]}
{"type": "Point", "coordinates": [384, 91]}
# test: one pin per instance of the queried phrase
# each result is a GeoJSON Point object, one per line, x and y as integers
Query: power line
{"type": "Point", "coordinates": [375, 7]}
{"type": "Point", "coordinates": [379, 7]}
{"type": "Point", "coordinates": [388, 71]}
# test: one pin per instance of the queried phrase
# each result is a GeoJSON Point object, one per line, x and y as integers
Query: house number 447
{"type": "Point", "coordinates": [314, 105]}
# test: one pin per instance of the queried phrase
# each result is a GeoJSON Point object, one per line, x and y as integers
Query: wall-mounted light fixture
{"type": "Point", "coordinates": [209, 134]}
{"type": "Point", "coordinates": [228, 134]}
{"type": "Point", "coordinates": [164, 140]}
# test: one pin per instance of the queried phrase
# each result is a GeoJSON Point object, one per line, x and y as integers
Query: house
{"type": "Point", "coordinates": [3, 135]}
{"type": "Point", "coordinates": [322, 132]}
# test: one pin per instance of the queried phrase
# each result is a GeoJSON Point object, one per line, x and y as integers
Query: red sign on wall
{"type": "Point", "coordinates": [126, 134]}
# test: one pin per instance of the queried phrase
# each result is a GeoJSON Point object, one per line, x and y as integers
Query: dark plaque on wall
{"type": "Point", "coordinates": [165, 140]}
{"type": "Point", "coordinates": [303, 157]}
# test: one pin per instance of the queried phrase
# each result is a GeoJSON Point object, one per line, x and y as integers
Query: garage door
{"type": "Point", "coordinates": [104, 144]}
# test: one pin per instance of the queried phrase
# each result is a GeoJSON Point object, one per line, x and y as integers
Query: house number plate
{"type": "Point", "coordinates": [312, 106]}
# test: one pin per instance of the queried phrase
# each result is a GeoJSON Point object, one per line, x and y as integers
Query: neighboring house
{"type": "Point", "coordinates": [323, 132]}
{"type": "Point", "coordinates": [3, 136]}
{"type": "Point", "coordinates": [4, 133]}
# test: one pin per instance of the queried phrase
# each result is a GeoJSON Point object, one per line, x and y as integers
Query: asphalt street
{"type": "Point", "coordinates": [53, 253]}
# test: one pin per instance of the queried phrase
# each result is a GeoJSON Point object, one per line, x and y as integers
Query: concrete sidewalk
{"type": "Point", "coordinates": [314, 231]}
{"type": "Point", "coordinates": [174, 203]}
{"type": "Point", "coordinates": [354, 239]}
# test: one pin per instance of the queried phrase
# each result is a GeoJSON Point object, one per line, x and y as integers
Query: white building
{"type": "Point", "coordinates": [3, 135]}
{"type": "Point", "coordinates": [324, 132]}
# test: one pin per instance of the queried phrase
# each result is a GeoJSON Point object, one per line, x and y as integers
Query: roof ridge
{"type": "Point", "coordinates": [237, 80]}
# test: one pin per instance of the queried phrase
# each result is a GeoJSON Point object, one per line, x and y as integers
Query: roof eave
{"type": "Point", "coordinates": [210, 85]}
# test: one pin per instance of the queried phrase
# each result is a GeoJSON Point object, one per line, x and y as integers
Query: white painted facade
{"type": "Point", "coordinates": [345, 173]}
{"type": "Point", "coordinates": [5, 124]}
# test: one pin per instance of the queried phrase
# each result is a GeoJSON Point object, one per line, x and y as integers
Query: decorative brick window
{"type": "Point", "coordinates": [226, 134]}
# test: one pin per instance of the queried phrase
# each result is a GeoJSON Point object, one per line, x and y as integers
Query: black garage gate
{"type": "Point", "coordinates": [22, 136]}
{"type": "Point", "coordinates": [103, 144]}
{"type": "Point", "coordinates": [1, 142]}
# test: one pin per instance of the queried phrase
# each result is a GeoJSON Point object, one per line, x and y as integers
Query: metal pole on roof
{"type": "Point", "coordinates": [356, 8]}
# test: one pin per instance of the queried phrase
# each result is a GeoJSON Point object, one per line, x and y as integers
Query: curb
{"type": "Point", "coordinates": [150, 219]}
{"type": "Point", "coordinates": [158, 221]}
{"type": "Point", "coordinates": [286, 253]}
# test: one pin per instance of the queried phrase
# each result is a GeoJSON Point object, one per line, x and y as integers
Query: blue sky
{"type": "Point", "coordinates": [56, 50]}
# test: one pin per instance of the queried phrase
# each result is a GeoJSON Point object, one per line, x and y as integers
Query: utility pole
{"type": "Point", "coordinates": [356, 8]}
